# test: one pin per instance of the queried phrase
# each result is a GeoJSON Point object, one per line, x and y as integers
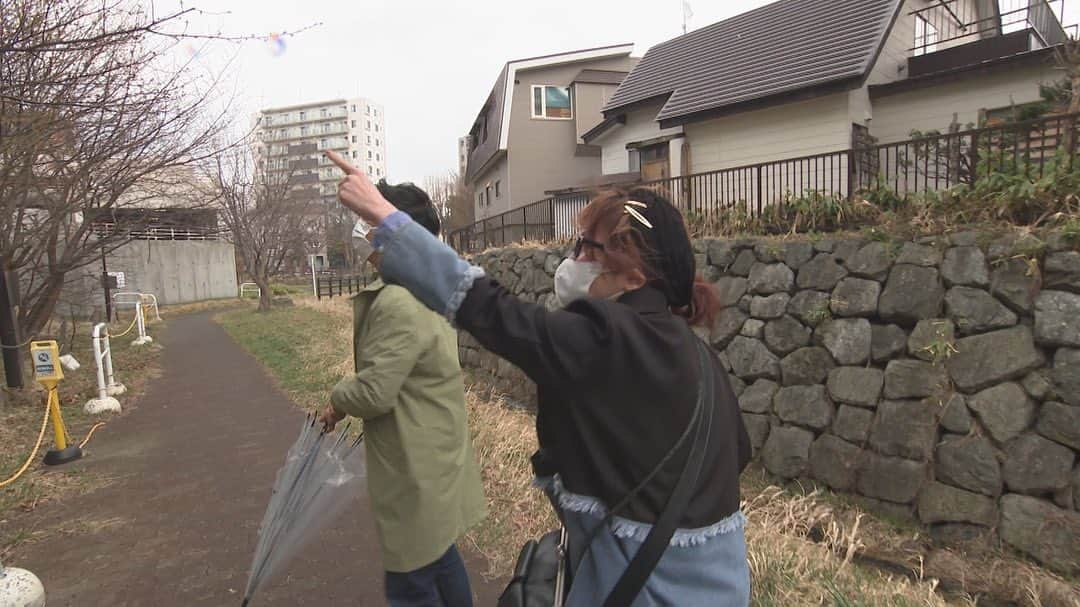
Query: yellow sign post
{"type": "Point", "coordinates": [48, 373]}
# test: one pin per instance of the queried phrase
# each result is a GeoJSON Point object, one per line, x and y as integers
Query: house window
{"type": "Point", "coordinates": [487, 193]}
{"type": "Point", "coordinates": [926, 36]}
{"type": "Point", "coordinates": [497, 188]}
{"type": "Point", "coordinates": [377, 157]}
{"type": "Point", "coordinates": [369, 139]}
{"type": "Point", "coordinates": [634, 161]}
{"type": "Point", "coordinates": [377, 144]}
{"type": "Point", "coordinates": [354, 138]}
{"type": "Point", "coordinates": [354, 153]}
{"type": "Point", "coordinates": [322, 113]}
{"type": "Point", "coordinates": [354, 124]}
{"type": "Point", "coordinates": [302, 115]}
{"type": "Point", "coordinates": [369, 154]}
{"type": "Point", "coordinates": [551, 102]}
{"type": "Point", "coordinates": [376, 128]}
{"type": "Point", "coordinates": [376, 112]}
{"type": "Point", "coordinates": [269, 120]}
{"type": "Point", "coordinates": [369, 125]}
{"type": "Point", "coordinates": [322, 144]}
{"type": "Point", "coordinates": [368, 110]}
{"type": "Point", "coordinates": [354, 107]}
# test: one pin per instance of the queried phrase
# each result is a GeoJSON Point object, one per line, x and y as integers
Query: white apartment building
{"type": "Point", "coordinates": [293, 139]}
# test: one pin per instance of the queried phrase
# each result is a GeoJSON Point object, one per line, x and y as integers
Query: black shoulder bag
{"type": "Point", "coordinates": [542, 573]}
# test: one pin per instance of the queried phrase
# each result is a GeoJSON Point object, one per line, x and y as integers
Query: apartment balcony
{"type": "Point", "coordinates": [309, 116]}
{"type": "Point", "coordinates": [958, 33]}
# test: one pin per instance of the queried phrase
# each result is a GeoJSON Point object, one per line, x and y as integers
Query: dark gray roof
{"type": "Point", "coordinates": [783, 47]}
{"type": "Point", "coordinates": [599, 77]}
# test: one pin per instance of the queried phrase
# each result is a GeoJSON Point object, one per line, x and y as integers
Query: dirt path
{"type": "Point", "coordinates": [194, 465]}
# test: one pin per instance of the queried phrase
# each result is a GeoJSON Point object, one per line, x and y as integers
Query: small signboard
{"type": "Point", "coordinates": [46, 357]}
{"type": "Point", "coordinates": [120, 282]}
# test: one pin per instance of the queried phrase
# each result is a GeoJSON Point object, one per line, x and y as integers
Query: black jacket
{"type": "Point", "coordinates": [617, 382]}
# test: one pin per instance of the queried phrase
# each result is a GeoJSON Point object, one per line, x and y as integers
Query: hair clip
{"type": "Point", "coordinates": [631, 211]}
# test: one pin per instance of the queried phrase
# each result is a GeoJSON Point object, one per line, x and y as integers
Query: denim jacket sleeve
{"type": "Point", "coordinates": [549, 346]}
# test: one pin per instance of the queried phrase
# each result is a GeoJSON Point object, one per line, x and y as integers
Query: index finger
{"type": "Point", "coordinates": [342, 164]}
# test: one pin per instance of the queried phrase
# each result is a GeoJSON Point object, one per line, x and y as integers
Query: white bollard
{"type": "Point", "coordinates": [104, 402]}
{"type": "Point", "coordinates": [143, 338]}
{"type": "Point", "coordinates": [113, 387]}
{"type": "Point", "coordinates": [20, 587]}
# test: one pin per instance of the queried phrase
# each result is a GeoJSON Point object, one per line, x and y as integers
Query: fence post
{"type": "Point", "coordinates": [318, 289]}
{"type": "Point", "coordinates": [760, 198]}
{"type": "Point", "coordinates": [1070, 137]}
{"type": "Point", "coordinates": [104, 401]}
{"type": "Point", "coordinates": [973, 155]}
{"type": "Point", "coordinates": [852, 174]}
{"type": "Point", "coordinates": [140, 322]}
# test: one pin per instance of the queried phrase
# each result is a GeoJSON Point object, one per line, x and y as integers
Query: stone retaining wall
{"type": "Point", "coordinates": [937, 380]}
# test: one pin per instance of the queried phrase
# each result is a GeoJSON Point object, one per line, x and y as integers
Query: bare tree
{"type": "Point", "coordinates": [449, 193]}
{"type": "Point", "coordinates": [268, 216]}
{"type": "Point", "coordinates": [94, 126]}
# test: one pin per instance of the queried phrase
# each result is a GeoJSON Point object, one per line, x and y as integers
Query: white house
{"type": "Point", "coordinates": [806, 77]}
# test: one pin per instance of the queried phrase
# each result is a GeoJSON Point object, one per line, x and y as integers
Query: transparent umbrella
{"type": "Point", "coordinates": [322, 474]}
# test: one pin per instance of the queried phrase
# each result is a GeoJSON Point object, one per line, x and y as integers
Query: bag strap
{"type": "Point", "coordinates": [652, 549]}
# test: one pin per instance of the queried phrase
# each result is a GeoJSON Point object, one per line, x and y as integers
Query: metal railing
{"type": "Point", "coordinates": [107, 229]}
{"type": "Point", "coordinates": [926, 164]}
{"type": "Point", "coordinates": [328, 286]}
{"type": "Point", "coordinates": [950, 23]}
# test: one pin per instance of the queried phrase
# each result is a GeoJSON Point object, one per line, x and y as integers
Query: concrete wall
{"type": "Point", "coordinates": [543, 152]}
{"type": "Point", "coordinates": [933, 107]}
{"type": "Point", "coordinates": [177, 271]}
{"type": "Point", "coordinates": [937, 380]}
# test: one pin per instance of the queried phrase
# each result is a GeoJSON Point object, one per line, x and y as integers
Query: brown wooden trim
{"type": "Point", "coordinates": [636, 145]}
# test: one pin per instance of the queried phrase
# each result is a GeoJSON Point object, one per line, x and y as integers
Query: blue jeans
{"type": "Point", "coordinates": [444, 583]}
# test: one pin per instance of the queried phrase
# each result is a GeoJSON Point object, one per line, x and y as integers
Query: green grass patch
{"type": "Point", "coordinates": [306, 349]}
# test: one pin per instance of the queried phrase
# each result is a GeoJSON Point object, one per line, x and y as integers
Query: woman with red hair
{"type": "Point", "coordinates": [641, 439]}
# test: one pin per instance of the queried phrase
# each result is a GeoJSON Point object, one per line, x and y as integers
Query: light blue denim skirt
{"type": "Point", "coordinates": [701, 567]}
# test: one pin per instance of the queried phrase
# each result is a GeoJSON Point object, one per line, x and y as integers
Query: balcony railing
{"type": "Point", "coordinates": [108, 230]}
{"type": "Point", "coordinates": [309, 116]}
{"type": "Point", "coordinates": [906, 168]}
{"type": "Point", "coordinates": [951, 23]}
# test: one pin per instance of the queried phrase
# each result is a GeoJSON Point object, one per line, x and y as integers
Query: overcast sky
{"type": "Point", "coordinates": [431, 63]}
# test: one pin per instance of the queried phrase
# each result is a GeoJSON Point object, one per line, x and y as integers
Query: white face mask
{"type": "Point", "coordinates": [573, 279]}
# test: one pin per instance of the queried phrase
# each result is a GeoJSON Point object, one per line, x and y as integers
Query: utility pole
{"type": "Point", "coordinates": [9, 328]}
{"type": "Point", "coordinates": [105, 284]}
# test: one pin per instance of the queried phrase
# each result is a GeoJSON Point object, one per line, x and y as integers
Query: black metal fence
{"type": "Point", "coordinates": [328, 286]}
{"type": "Point", "coordinates": [917, 166]}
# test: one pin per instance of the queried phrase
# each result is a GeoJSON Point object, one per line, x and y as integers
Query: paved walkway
{"type": "Point", "coordinates": [195, 463]}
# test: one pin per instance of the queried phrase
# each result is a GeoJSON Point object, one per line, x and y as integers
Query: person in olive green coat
{"type": "Point", "coordinates": [423, 480]}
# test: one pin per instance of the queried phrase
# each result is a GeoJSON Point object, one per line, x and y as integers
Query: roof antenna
{"type": "Point", "coordinates": [687, 12]}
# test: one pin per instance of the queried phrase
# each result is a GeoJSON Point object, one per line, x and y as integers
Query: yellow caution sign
{"type": "Point", "coordinates": [49, 373]}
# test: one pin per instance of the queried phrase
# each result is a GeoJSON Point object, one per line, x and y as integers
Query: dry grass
{"type": "Point", "coordinates": [20, 422]}
{"type": "Point", "coordinates": [504, 439]}
{"type": "Point", "coordinates": [805, 548]}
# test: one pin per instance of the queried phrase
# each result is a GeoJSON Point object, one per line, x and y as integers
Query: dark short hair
{"type": "Point", "coordinates": [413, 201]}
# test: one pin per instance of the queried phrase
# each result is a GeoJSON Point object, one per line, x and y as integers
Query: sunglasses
{"type": "Point", "coordinates": [581, 242]}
